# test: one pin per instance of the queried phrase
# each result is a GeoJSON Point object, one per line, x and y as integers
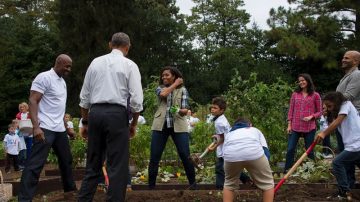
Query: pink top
{"type": "Point", "coordinates": [301, 107]}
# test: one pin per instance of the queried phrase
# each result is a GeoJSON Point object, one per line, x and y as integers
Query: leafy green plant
{"type": "Point", "coordinates": [265, 105]}
{"type": "Point", "coordinates": [312, 171]}
{"type": "Point", "coordinates": [78, 150]}
{"type": "Point", "coordinates": [140, 147]}
{"type": "Point", "coordinates": [2, 150]}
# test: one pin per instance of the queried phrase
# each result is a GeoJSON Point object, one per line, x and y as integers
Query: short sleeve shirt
{"type": "Point", "coordinates": [222, 126]}
{"type": "Point", "coordinates": [53, 102]}
{"type": "Point", "coordinates": [350, 127]}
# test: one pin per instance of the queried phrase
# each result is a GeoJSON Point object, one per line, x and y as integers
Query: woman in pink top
{"type": "Point", "coordinates": [305, 108]}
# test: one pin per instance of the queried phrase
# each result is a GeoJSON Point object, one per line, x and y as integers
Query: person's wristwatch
{"type": "Point", "coordinates": [84, 122]}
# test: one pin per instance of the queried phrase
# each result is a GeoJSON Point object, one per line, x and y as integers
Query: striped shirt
{"type": "Point", "coordinates": [301, 107]}
{"type": "Point", "coordinates": [184, 104]}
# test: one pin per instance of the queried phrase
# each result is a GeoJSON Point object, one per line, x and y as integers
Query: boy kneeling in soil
{"type": "Point", "coordinates": [245, 147]}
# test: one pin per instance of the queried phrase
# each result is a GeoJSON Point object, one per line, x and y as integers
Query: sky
{"type": "Point", "coordinates": [258, 9]}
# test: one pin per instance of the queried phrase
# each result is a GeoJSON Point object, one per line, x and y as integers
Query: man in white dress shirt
{"type": "Point", "coordinates": [47, 104]}
{"type": "Point", "coordinates": [109, 81]}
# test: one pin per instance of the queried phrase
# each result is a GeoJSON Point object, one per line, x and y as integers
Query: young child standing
{"type": "Point", "coordinates": [222, 126]}
{"type": "Point", "coordinates": [69, 125]}
{"type": "Point", "coordinates": [245, 147]}
{"type": "Point", "coordinates": [346, 119]}
{"type": "Point", "coordinates": [22, 145]}
{"type": "Point", "coordinates": [24, 115]}
{"type": "Point", "coordinates": [323, 123]}
{"type": "Point", "coordinates": [11, 144]}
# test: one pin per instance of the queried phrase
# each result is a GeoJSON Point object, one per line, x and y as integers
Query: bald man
{"type": "Point", "coordinates": [47, 104]}
{"type": "Point", "coordinates": [349, 86]}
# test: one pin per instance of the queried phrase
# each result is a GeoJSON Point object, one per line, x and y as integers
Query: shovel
{"type": "Point", "coordinates": [293, 168]}
{"type": "Point", "coordinates": [196, 159]}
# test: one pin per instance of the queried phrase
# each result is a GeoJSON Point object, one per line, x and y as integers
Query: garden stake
{"type": "Point", "coordinates": [293, 168]}
{"type": "Point", "coordinates": [196, 160]}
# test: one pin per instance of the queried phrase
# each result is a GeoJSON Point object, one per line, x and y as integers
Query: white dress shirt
{"type": "Point", "coordinates": [53, 102]}
{"type": "Point", "coordinates": [112, 78]}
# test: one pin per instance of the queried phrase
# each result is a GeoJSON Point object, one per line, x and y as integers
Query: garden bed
{"type": "Point", "coordinates": [287, 193]}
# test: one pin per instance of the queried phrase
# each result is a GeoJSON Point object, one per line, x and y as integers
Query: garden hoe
{"type": "Point", "coordinates": [196, 159]}
{"type": "Point", "coordinates": [106, 177]}
{"type": "Point", "coordinates": [293, 168]}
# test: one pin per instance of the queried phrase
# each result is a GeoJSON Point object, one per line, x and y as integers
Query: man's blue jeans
{"type": "Point", "coordinates": [292, 144]}
{"type": "Point", "coordinates": [340, 164]}
{"type": "Point", "coordinates": [158, 143]}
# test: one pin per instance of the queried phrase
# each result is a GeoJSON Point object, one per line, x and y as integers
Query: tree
{"type": "Point", "coordinates": [28, 45]}
{"type": "Point", "coordinates": [154, 27]}
{"type": "Point", "coordinates": [307, 39]}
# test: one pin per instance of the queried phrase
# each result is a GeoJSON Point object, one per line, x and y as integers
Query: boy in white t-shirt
{"type": "Point", "coordinates": [346, 119]}
{"type": "Point", "coordinates": [323, 124]}
{"type": "Point", "coordinates": [222, 126]}
{"type": "Point", "coordinates": [245, 147]}
{"type": "Point", "coordinates": [12, 146]}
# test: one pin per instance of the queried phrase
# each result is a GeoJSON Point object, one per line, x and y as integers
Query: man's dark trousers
{"type": "Point", "coordinates": [35, 163]}
{"type": "Point", "coordinates": [108, 131]}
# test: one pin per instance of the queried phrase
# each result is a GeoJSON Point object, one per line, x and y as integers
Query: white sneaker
{"type": "Point", "coordinates": [328, 156]}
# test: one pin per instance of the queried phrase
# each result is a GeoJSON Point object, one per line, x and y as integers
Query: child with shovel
{"type": "Point", "coordinates": [346, 119]}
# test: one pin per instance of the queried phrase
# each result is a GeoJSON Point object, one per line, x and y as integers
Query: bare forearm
{"type": "Point", "coordinates": [84, 113]}
{"type": "Point", "coordinates": [33, 110]}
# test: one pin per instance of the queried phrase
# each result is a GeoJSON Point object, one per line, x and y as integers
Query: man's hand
{"type": "Point", "coordinates": [84, 132]}
{"type": "Point", "coordinates": [320, 137]}
{"type": "Point", "coordinates": [132, 131]}
{"type": "Point", "coordinates": [39, 134]}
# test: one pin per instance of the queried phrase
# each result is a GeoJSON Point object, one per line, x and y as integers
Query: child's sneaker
{"type": "Point", "coordinates": [328, 156]}
{"type": "Point", "coordinates": [341, 196]}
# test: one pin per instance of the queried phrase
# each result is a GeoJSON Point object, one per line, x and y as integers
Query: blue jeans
{"type": "Point", "coordinates": [158, 143]}
{"type": "Point", "coordinates": [340, 165]}
{"type": "Point", "coordinates": [349, 167]}
{"type": "Point", "coordinates": [292, 143]}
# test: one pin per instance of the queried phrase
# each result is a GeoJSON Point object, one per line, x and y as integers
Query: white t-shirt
{"type": "Point", "coordinates": [244, 144]}
{"type": "Point", "coordinates": [24, 115]}
{"type": "Point", "coordinates": [191, 120]}
{"type": "Point", "coordinates": [222, 126]}
{"type": "Point", "coordinates": [12, 144]}
{"type": "Point", "coordinates": [80, 123]}
{"type": "Point", "coordinates": [53, 102]}
{"type": "Point", "coordinates": [323, 123]}
{"type": "Point", "coordinates": [70, 124]}
{"type": "Point", "coordinates": [350, 127]}
{"type": "Point", "coordinates": [22, 144]}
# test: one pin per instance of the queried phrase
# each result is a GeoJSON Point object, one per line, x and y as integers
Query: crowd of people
{"type": "Point", "coordinates": [111, 100]}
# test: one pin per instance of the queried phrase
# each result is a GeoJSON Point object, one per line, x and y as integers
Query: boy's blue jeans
{"type": "Point", "coordinates": [292, 143]}
{"type": "Point", "coordinates": [350, 168]}
{"type": "Point", "coordinates": [340, 164]}
{"type": "Point", "coordinates": [158, 143]}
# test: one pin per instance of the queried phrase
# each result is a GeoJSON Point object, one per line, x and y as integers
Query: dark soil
{"type": "Point", "coordinates": [301, 193]}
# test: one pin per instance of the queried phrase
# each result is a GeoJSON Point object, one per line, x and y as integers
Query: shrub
{"type": "Point", "coordinates": [265, 105]}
